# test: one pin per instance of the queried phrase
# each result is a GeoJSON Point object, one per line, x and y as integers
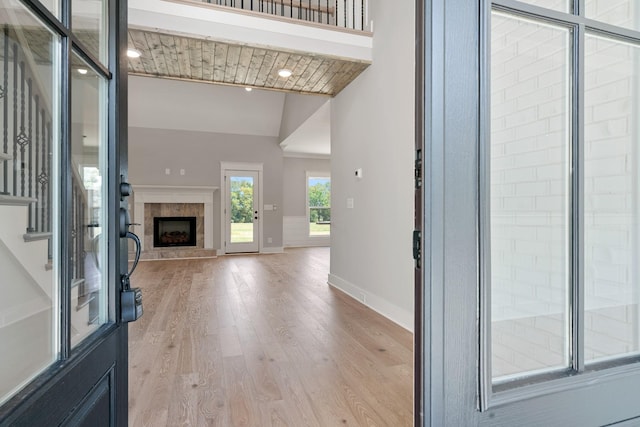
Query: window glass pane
{"type": "Point", "coordinates": [612, 198]}
{"type": "Point", "coordinates": [90, 26]}
{"type": "Point", "coordinates": [242, 209]}
{"type": "Point", "coordinates": [29, 135]}
{"type": "Point", "coordinates": [88, 184]}
{"type": "Point", "coordinates": [53, 6]}
{"type": "Point", "coordinates": [559, 5]}
{"type": "Point", "coordinates": [529, 184]}
{"type": "Point", "coordinates": [623, 13]}
{"type": "Point", "coordinates": [319, 206]}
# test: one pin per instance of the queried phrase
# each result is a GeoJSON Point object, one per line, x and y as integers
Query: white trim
{"type": "Point", "coordinates": [272, 250]}
{"type": "Point", "coordinates": [242, 166]}
{"type": "Point", "coordinates": [181, 258]}
{"type": "Point", "coordinates": [174, 194]}
{"type": "Point", "coordinates": [392, 312]}
{"type": "Point", "coordinates": [306, 155]}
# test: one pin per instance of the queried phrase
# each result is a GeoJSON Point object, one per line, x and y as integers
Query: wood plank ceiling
{"type": "Point", "coordinates": [204, 60]}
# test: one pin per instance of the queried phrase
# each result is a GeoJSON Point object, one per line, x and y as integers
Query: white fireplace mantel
{"type": "Point", "coordinates": [174, 194]}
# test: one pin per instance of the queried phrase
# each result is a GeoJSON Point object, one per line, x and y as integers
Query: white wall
{"type": "Point", "coordinates": [294, 187]}
{"type": "Point", "coordinates": [297, 109]}
{"type": "Point", "coordinates": [373, 129]}
{"type": "Point", "coordinates": [151, 151]}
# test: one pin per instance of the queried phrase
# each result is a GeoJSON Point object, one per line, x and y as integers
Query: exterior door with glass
{"type": "Point", "coordinates": [531, 212]}
{"type": "Point", "coordinates": [242, 211]}
{"type": "Point", "coordinates": [62, 158]}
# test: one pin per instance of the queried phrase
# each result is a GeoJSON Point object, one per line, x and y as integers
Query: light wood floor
{"type": "Point", "coordinates": [262, 340]}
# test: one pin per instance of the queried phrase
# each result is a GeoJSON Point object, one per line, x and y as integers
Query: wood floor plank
{"type": "Point", "coordinates": [262, 340]}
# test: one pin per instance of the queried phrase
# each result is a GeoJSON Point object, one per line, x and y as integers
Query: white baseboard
{"type": "Point", "coordinates": [392, 312]}
{"type": "Point", "coordinates": [272, 250]}
{"type": "Point", "coordinates": [308, 245]}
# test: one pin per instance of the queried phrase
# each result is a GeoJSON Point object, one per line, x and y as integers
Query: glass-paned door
{"type": "Point", "coordinates": [243, 221]}
{"type": "Point", "coordinates": [531, 214]}
{"type": "Point", "coordinates": [63, 341]}
{"type": "Point", "coordinates": [563, 173]}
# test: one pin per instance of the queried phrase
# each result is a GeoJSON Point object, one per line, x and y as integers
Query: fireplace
{"type": "Point", "coordinates": [174, 231]}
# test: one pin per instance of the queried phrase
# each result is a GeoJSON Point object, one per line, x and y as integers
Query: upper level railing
{"type": "Point", "coordinates": [350, 14]}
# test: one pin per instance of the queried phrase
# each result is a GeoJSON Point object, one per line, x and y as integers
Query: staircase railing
{"type": "Point", "coordinates": [79, 227]}
{"type": "Point", "coordinates": [26, 135]}
{"type": "Point", "coordinates": [25, 158]}
{"type": "Point", "coordinates": [351, 14]}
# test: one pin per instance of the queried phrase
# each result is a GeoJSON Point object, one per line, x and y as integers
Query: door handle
{"type": "Point", "coordinates": [131, 298]}
{"type": "Point", "coordinates": [136, 239]}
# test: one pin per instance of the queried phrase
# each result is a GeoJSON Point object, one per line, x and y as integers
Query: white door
{"type": "Point", "coordinates": [242, 212]}
{"type": "Point", "coordinates": [531, 284]}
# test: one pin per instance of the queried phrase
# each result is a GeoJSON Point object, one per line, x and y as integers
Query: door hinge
{"type": "Point", "coordinates": [417, 247]}
{"type": "Point", "coordinates": [418, 169]}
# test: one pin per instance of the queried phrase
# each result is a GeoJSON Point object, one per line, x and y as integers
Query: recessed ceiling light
{"type": "Point", "coordinates": [248, 89]}
{"type": "Point", "coordinates": [284, 73]}
{"type": "Point", "coordinates": [132, 53]}
{"type": "Point", "coordinates": [82, 70]}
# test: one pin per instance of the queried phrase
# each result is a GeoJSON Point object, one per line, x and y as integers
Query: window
{"type": "Point", "coordinates": [562, 167]}
{"type": "Point", "coordinates": [319, 202]}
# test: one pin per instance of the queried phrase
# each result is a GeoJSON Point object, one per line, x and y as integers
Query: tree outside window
{"type": "Point", "coordinates": [319, 194]}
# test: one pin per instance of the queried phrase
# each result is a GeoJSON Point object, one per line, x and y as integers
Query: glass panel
{"type": "Point", "coordinates": [559, 5]}
{"type": "Point", "coordinates": [623, 13]}
{"type": "Point", "coordinates": [29, 135]}
{"type": "Point", "coordinates": [90, 26]}
{"type": "Point", "coordinates": [53, 6]}
{"type": "Point", "coordinates": [88, 187]}
{"type": "Point", "coordinates": [241, 209]}
{"type": "Point", "coordinates": [612, 198]}
{"type": "Point", "coordinates": [319, 206]}
{"type": "Point", "coordinates": [529, 183]}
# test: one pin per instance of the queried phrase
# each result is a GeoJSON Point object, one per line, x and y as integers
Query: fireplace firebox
{"type": "Point", "coordinates": [174, 231]}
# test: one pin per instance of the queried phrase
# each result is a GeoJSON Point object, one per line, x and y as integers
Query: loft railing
{"type": "Point", "coordinates": [26, 135]}
{"type": "Point", "coordinates": [351, 14]}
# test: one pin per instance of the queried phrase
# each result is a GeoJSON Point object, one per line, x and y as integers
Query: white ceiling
{"type": "Point", "coordinates": [181, 105]}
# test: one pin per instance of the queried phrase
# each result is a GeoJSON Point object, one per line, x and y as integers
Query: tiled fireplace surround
{"type": "Point", "coordinates": [151, 201]}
